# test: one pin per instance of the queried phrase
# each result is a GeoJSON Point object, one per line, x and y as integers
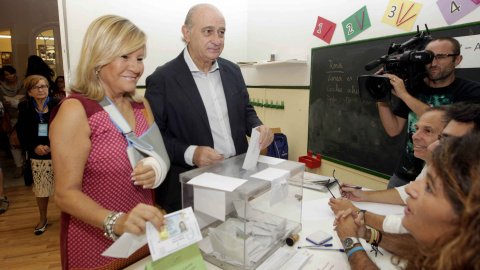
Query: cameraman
{"type": "Point", "coordinates": [440, 87]}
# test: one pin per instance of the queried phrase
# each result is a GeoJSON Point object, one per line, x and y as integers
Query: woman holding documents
{"type": "Point", "coordinates": [101, 191]}
{"type": "Point", "coordinates": [442, 214]}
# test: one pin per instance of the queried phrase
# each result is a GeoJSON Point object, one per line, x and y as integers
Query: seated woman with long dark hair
{"type": "Point", "coordinates": [442, 214]}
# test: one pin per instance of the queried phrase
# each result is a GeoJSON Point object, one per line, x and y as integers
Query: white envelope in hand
{"type": "Point", "coordinates": [125, 246]}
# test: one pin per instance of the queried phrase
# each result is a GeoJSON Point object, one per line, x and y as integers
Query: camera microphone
{"type": "Point", "coordinates": [373, 64]}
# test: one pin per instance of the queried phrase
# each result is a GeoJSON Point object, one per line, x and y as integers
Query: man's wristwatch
{"type": "Point", "coordinates": [349, 242]}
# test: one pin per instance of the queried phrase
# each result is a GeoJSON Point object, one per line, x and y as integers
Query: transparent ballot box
{"type": "Point", "coordinates": [244, 223]}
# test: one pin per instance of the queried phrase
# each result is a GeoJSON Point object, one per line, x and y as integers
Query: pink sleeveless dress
{"type": "Point", "coordinates": [107, 181]}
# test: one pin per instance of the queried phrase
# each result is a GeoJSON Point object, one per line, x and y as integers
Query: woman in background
{"type": "Point", "coordinates": [36, 66]}
{"type": "Point", "coordinates": [99, 193]}
{"type": "Point", "coordinates": [11, 92]}
{"type": "Point", "coordinates": [59, 88]}
{"type": "Point", "coordinates": [32, 129]}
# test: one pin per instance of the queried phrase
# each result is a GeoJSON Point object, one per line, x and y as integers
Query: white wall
{"type": "Point", "coordinates": [255, 29]}
{"type": "Point", "coordinates": [287, 27]}
{"type": "Point", "coordinates": [24, 18]}
{"type": "Point", "coordinates": [160, 20]}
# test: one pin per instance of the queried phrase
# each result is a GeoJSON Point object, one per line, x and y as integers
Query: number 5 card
{"type": "Point", "coordinates": [454, 10]}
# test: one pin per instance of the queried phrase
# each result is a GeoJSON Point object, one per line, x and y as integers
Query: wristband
{"type": "Point", "coordinates": [371, 236]}
{"type": "Point", "coordinates": [353, 250]}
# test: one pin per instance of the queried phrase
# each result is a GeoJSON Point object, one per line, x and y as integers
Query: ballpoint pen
{"type": "Point", "coordinates": [355, 187]}
{"type": "Point", "coordinates": [322, 248]}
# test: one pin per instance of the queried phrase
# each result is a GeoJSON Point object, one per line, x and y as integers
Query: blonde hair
{"type": "Point", "coordinates": [107, 38]}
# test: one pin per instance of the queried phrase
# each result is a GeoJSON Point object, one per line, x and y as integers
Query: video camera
{"type": "Point", "coordinates": [406, 60]}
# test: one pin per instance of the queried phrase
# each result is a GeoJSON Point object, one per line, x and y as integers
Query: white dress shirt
{"type": "Point", "coordinates": [213, 96]}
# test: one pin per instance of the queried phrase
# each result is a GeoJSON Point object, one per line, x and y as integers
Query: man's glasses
{"type": "Point", "coordinates": [41, 87]}
{"type": "Point", "coordinates": [441, 56]}
{"type": "Point", "coordinates": [328, 184]}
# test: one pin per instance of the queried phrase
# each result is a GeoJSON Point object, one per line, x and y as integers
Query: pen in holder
{"type": "Point", "coordinates": [292, 239]}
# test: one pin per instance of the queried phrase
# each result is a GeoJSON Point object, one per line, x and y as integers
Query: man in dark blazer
{"type": "Point", "coordinates": [200, 103]}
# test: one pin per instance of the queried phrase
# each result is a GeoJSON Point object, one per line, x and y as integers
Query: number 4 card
{"type": "Point", "coordinates": [324, 29]}
{"type": "Point", "coordinates": [454, 10]}
{"type": "Point", "coordinates": [402, 14]}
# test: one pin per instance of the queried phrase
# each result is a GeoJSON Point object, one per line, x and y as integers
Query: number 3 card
{"type": "Point", "coordinates": [454, 10]}
{"type": "Point", "coordinates": [402, 14]}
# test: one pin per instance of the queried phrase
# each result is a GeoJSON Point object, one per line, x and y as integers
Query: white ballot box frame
{"type": "Point", "coordinates": [267, 205]}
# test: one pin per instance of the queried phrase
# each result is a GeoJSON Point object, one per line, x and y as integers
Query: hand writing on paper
{"type": "Point", "coordinates": [354, 194]}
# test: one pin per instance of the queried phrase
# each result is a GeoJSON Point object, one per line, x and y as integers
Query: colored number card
{"type": "Point", "coordinates": [356, 24]}
{"type": "Point", "coordinates": [453, 11]}
{"type": "Point", "coordinates": [324, 29]}
{"type": "Point", "coordinates": [402, 14]}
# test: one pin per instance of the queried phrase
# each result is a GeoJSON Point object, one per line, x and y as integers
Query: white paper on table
{"type": "Point", "coordinates": [125, 246]}
{"type": "Point", "coordinates": [174, 237]}
{"type": "Point", "coordinates": [380, 208]}
{"type": "Point", "coordinates": [210, 202]}
{"type": "Point", "coordinates": [215, 181]}
{"type": "Point", "coordinates": [253, 151]}
{"type": "Point", "coordinates": [270, 160]}
{"type": "Point", "coordinates": [320, 210]}
{"type": "Point", "coordinates": [317, 210]}
{"type": "Point", "coordinates": [277, 259]}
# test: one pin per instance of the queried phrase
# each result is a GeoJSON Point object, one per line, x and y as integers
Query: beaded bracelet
{"type": "Point", "coordinates": [109, 224]}
{"type": "Point", "coordinates": [372, 235]}
{"type": "Point", "coordinates": [105, 222]}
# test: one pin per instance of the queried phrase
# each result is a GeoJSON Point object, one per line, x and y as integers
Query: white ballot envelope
{"type": "Point", "coordinates": [253, 151]}
{"type": "Point", "coordinates": [125, 246]}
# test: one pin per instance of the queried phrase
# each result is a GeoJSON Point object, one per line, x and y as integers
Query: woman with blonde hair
{"type": "Point", "coordinates": [33, 129]}
{"type": "Point", "coordinates": [100, 193]}
{"type": "Point", "coordinates": [442, 213]}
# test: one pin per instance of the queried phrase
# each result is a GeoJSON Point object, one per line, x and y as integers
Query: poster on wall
{"type": "Point", "coordinates": [401, 14]}
{"type": "Point", "coordinates": [7, 58]}
{"type": "Point", "coordinates": [324, 29]}
{"type": "Point", "coordinates": [454, 10]}
{"type": "Point", "coordinates": [356, 23]}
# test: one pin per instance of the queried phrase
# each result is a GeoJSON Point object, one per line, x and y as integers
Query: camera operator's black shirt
{"type": "Point", "coordinates": [460, 90]}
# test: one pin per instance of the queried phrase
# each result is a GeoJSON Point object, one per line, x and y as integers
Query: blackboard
{"type": "Point", "coordinates": [342, 127]}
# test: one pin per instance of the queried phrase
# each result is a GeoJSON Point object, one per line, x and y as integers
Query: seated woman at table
{"type": "Point", "coordinates": [94, 179]}
{"type": "Point", "coordinates": [442, 214]}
